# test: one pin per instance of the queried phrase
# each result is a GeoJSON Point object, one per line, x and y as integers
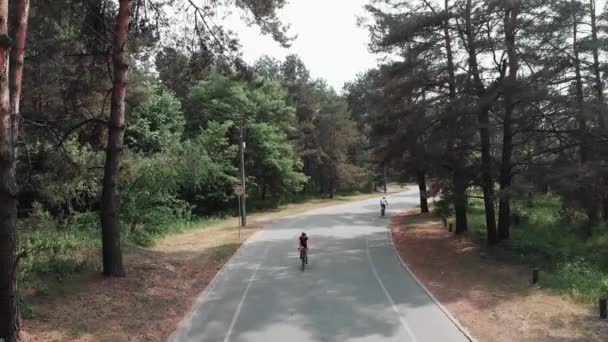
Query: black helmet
{"type": "Point", "coordinates": [303, 234]}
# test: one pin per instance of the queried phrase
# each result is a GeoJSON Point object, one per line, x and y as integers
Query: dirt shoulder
{"type": "Point", "coordinates": [161, 286]}
{"type": "Point", "coordinates": [493, 300]}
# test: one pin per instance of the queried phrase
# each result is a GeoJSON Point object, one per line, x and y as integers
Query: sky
{"type": "Point", "coordinates": [328, 39]}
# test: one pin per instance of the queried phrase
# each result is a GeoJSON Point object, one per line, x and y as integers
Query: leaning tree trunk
{"type": "Point", "coordinates": [484, 129]}
{"type": "Point", "coordinates": [110, 198]}
{"type": "Point", "coordinates": [504, 209]}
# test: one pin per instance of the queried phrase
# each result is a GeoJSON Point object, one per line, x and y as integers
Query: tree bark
{"type": "Point", "coordinates": [16, 66]}
{"type": "Point", "coordinates": [421, 178]}
{"type": "Point", "coordinates": [460, 203]}
{"type": "Point", "coordinates": [599, 98]}
{"type": "Point", "coordinates": [450, 54]}
{"type": "Point", "coordinates": [110, 198]}
{"type": "Point", "coordinates": [458, 178]}
{"type": "Point", "coordinates": [384, 178]}
{"type": "Point", "coordinates": [599, 85]}
{"type": "Point", "coordinates": [590, 203]}
{"type": "Point", "coordinates": [483, 117]}
{"type": "Point", "coordinates": [15, 85]}
{"type": "Point", "coordinates": [9, 323]}
{"type": "Point", "coordinates": [504, 209]}
{"type": "Point", "coordinates": [605, 198]}
{"type": "Point", "coordinates": [582, 123]}
{"type": "Point", "coordinates": [10, 80]}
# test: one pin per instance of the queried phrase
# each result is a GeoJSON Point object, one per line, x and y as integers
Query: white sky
{"type": "Point", "coordinates": [329, 41]}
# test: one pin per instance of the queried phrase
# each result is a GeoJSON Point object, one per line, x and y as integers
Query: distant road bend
{"type": "Point", "coordinates": [354, 288]}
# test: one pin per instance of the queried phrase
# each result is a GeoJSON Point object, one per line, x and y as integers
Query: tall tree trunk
{"type": "Point", "coordinates": [605, 198]}
{"type": "Point", "coordinates": [306, 169]}
{"type": "Point", "coordinates": [334, 161]}
{"type": "Point", "coordinates": [421, 178]}
{"type": "Point", "coordinates": [110, 198]}
{"type": "Point", "coordinates": [321, 181]}
{"type": "Point", "coordinates": [10, 80]}
{"type": "Point", "coordinates": [504, 209]}
{"type": "Point", "coordinates": [582, 123]}
{"type": "Point", "coordinates": [16, 66]}
{"type": "Point", "coordinates": [384, 177]}
{"type": "Point", "coordinates": [9, 328]}
{"type": "Point", "coordinates": [483, 117]}
{"type": "Point", "coordinates": [450, 54]}
{"type": "Point", "coordinates": [458, 178]}
{"type": "Point", "coordinates": [460, 203]}
{"type": "Point", "coordinates": [585, 148]}
{"type": "Point", "coordinates": [599, 85]}
{"type": "Point", "coordinates": [599, 98]}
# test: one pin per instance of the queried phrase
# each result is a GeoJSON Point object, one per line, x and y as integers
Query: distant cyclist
{"type": "Point", "coordinates": [383, 205]}
{"type": "Point", "coordinates": [304, 246]}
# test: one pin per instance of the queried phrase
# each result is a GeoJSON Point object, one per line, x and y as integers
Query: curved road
{"type": "Point", "coordinates": [354, 288]}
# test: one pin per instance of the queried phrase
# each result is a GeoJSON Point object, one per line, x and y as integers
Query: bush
{"type": "Point", "coordinates": [55, 252]}
{"type": "Point", "coordinates": [579, 278]}
{"type": "Point", "coordinates": [443, 208]}
{"type": "Point", "coordinates": [551, 239]}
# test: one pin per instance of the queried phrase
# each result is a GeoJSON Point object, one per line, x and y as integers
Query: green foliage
{"type": "Point", "coordinates": [164, 188]}
{"type": "Point", "coordinates": [180, 162]}
{"type": "Point", "coordinates": [571, 263]}
{"type": "Point", "coordinates": [579, 278]}
{"type": "Point", "coordinates": [443, 208]}
{"type": "Point", "coordinates": [62, 181]}
{"type": "Point", "coordinates": [156, 122]}
{"type": "Point", "coordinates": [275, 164]}
{"type": "Point", "coordinates": [219, 99]}
{"type": "Point", "coordinates": [48, 248]}
{"type": "Point", "coordinates": [271, 161]}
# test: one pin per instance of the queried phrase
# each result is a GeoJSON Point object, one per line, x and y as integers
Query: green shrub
{"type": "Point", "coordinates": [443, 208]}
{"type": "Point", "coordinates": [551, 239]}
{"type": "Point", "coordinates": [55, 252]}
{"type": "Point", "coordinates": [578, 278]}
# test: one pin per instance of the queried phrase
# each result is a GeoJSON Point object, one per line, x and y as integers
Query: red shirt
{"type": "Point", "coordinates": [304, 241]}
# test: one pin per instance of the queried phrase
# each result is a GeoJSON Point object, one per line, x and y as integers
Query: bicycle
{"type": "Point", "coordinates": [304, 257]}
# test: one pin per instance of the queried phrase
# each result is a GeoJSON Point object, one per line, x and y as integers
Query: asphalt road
{"type": "Point", "coordinates": [354, 289]}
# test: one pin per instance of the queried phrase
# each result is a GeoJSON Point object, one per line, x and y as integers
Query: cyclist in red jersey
{"type": "Point", "coordinates": [304, 244]}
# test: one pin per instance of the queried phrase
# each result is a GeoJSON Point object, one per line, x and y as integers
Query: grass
{"type": "Point", "coordinates": [571, 262]}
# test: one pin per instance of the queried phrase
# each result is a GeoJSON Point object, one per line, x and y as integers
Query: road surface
{"type": "Point", "coordinates": [354, 289]}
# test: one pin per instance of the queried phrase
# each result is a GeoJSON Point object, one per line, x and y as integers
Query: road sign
{"type": "Point", "coordinates": [238, 190]}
